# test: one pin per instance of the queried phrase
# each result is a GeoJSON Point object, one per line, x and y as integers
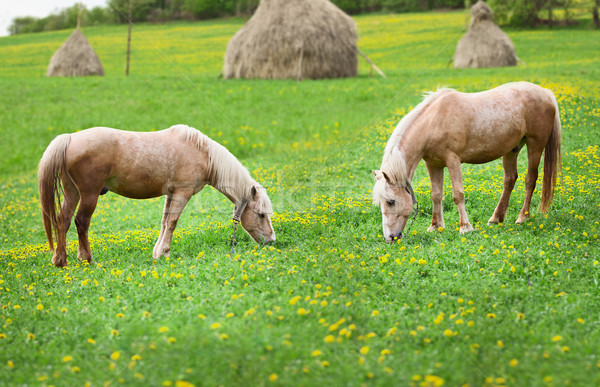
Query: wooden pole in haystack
{"type": "Point", "coordinates": [128, 41]}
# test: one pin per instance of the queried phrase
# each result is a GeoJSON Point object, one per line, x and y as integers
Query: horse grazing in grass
{"type": "Point", "coordinates": [177, 162]}
{"type": "Point", "coordinates": [449, 128]}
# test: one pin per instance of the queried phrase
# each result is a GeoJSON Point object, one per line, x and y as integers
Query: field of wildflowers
{"type": "Point", "coordinates": [330, 302]}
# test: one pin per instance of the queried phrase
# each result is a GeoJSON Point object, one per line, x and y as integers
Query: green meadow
{"type": "Point", "coordinates": [330, 303]}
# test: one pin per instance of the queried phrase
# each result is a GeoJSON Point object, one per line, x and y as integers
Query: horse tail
{"type": "Point", "coordinates": [50, 172]}
{"type": "Point", "coordinates": [552, 160]}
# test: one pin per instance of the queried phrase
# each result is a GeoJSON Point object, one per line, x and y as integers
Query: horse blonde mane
{"type": "Point", "coordinates": [226, 173]}
{"type": "Point", "coordinates": [393, 162]}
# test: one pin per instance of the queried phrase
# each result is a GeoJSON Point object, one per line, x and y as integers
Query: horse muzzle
{"type": "Point", "coordinates": [394, 237]}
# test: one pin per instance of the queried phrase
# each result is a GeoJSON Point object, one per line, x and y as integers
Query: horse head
{"type": "Point", "coordinates": [254, 213]}
{"type": "Point", "coordinates": [396, 200]}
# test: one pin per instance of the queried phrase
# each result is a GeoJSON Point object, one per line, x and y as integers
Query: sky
{"type": "Point", "coordinates": [9, 9]}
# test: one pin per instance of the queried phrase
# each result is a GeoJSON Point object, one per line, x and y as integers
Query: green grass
{"type": "Point", "coordinates": [330, 302]}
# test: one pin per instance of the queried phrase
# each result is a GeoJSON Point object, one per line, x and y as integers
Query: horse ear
{"type": "Point", "coordinates": [377, 174]}
{"type": "Point", "coordinates": [410, 190]}
{"type": "Point", "coordinates": [387, 177]}
{"type": "Point", "coordinates": [253, 193]}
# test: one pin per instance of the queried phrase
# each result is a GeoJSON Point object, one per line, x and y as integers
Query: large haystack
{"type": "Point", "coordinates": [295, 39]}
{"type": "Point", "coordinates": [484, 44]}
{"type": "Point", "coordinates": [75, 58]}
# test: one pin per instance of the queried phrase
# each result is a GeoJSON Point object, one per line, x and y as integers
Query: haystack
{"type": "Point", "coordinates": [484, 44]}
{"type": "Point", "coordinates": [75, 58]}
{"type": "Point", "coordinates": [295, 39]}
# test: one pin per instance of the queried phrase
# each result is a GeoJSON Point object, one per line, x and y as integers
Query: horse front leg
{"type": "Point", "coordinates": [534, 157]}
{"type": "Point", "coordinates": [82, 222]}
{"type": "Point", "coordinates": [509, 163]}
{"type": "Point", "coordinates": [163, 226]}
{"type": "Point", "coordinates": [436, 175]}
{"type": "Point", "coordinates": [179, 199]}
{"type": "Point", "coordinates": [455, 171]}
{"type": "Point", "coordinates": [70, 200]}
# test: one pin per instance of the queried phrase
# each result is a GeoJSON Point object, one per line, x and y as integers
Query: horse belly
{"type": "Point", "coordinates": [486, 154]}
{"type": "Point", "coordinates": [134, 188]}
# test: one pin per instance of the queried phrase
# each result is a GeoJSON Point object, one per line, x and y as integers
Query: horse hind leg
{"type": "Point", "coordinates": [509, 163]}
{"type": "Point", "coordinates": [70, 200]}
{"type": "Point", "coordinates": [82, 222]}
{"type": "Point", "coordinates": [534, 155]}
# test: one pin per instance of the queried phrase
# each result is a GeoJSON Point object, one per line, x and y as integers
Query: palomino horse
{"type": "Point", "coordinates": [177, 162]}
{"type": "Point", "coordinates": [449, 128]}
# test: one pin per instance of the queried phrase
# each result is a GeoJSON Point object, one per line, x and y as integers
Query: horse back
{"type": "Point", "coordinates": [481, 127]}
{"type": "Point", "coordinates": [134, 164]}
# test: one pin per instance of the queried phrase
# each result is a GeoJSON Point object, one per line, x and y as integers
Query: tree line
{"type": "Point", "coordinates": [520, 13]}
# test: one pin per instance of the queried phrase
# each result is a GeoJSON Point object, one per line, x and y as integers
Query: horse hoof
{"type": "Point", "coordinates": [466, 229]}
{"type": "Point", "coordinates": [59, 261]}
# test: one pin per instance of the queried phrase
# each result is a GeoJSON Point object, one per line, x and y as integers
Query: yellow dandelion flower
{"type": "Point", "coordinates": [67, 359]}
{"type": "Point", "coordinates": [513, 362]}
{"type": "Point", "coordinates": [556, 338]}
{"type": "Point", "coordinates": [364, 350]}
{"type": "Point", "coordinates": [224, 336]}
{"type": "Point", "coordinates": [114, 332]}
{"type": "Point", "coordinates": [500, 344]}
{"type": "Point", "coordinates": [448, 332]}
{"type": "Point", "coordinates": [215, 325]}
{"type": "Point", "coordinates": [272, 377]}
{"type": "Point", "coordinates": [75, 369]}
{"type": "Point", "coordinates": [10, 364]}
{"type": "Point", "coordinates": [30, 336]}
{"type": "Point", "coordinates": [39, 307]}
{"type": "Point", "coordinates": [375, 313]}
{"type": "Point", "coordinates": [491, 315]}
{"type": "Point", "coordinates": [316, 352]}
{"type": "Point", "coordinates": [325, 363]}
{"type": "Point", "coordinates": [163, 329]}
{"type": "Point", "coordinates": [201, 316]}
{"type": "Point", "coordinates": [329, 339]}
{"type": "Point", "coordinates": [115, 355]}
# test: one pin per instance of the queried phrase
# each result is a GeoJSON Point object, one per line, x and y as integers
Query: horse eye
{"type": "Point", "coordinates": [391, 202]}
{"type": "Point", "coordinates": [261, 215]}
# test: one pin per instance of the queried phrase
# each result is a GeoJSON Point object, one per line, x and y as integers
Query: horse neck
{"type": "Point", "coordinates": [412, 151]}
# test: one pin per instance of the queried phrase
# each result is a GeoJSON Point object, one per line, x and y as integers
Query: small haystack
{"type": "Point", "coordinates": [75, 58]}
{"type": "Point", "coordinates": [295, 39]}
{"type": "Point", "coordinates": [484, 44]}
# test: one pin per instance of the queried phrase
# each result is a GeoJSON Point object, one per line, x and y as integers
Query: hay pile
{"type": "Point", "coordinates": [75, 58]}
{"type": "Point", "coordinates": [484, 44]}
{"type": "Point", "coordinates": [295, 39]}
